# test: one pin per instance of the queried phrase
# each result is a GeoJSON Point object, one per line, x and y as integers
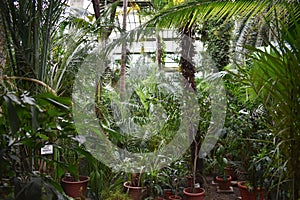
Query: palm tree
{"type": "Point", "coordinates": [249, 14]}
{"type": "Point", "coordinates": [274, 77]}
{"type": "Point", "coordinates": [29, 27]}
{"type": "Point", "coordinates": [103, 11]}
{"type": "Point", "coordinates": [36, 42]}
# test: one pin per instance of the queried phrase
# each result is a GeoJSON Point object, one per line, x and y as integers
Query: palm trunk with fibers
{"type": "Point", "coordinates": [159, 51]}
{"type": "Point", "coordinates": [123, 53]}
{"type": "Point", "coordinates": [2, 48]}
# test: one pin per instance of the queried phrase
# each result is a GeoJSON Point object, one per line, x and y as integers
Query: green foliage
{"type": "Point", "coordinates": [174, 176]}
{"type": "Point", "coordinates": [27, 124]}
{"type": "Point", "coordinates": [117, 195]}
{"type": "Point", "coordinates": [44, 44]}
{"type": "Point", "coordinates": [272, 74]}
{"type": "Point", "coordinates": [147, 97]}
{"type": "Point", "coordinates": [104, 183]}
{"type": "Point", "coordinates": [275, 79]}
{"type": "Point", "coordinates": [29, 26]}
{"type": "Point", "coordinates": [217, 38]}
{"type": "Point", "coordinates": [153, 183]}
{"type": "Point", "coordinates": [203, 89]}
{"type": "Point", "coordinates": [195, 11]}
{"type": "Point", "coordinates": [221, 160]}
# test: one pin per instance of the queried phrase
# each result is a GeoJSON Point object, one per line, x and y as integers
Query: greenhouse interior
{"type": "Point", "coordinates": [149, 99]}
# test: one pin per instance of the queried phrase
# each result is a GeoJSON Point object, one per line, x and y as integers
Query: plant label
{"type": "Point", "coordinates": [47, 149]}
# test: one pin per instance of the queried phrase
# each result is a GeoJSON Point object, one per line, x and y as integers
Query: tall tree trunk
{"type": "Point", "coordinates": [187, 69]}
{"type": "Point", "coordinates": [159, 51]}
{"type": "Point", "coordinates": [2, 48]}
{"type": "Point", "coordinates": [96, 7]}
{"type": "Point", "coordinates": [123, 53]}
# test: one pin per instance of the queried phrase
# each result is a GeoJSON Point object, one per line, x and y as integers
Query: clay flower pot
{"type": "Point", "coordinates": [75, 189]}
{"type": "Point", "coordinates": [198, 194]}
{"type": "Point", "coordinates": [247, 194]}
{"type": "Point", "coordinates": [135, 193]}
{"type": "Point", "coordinates": [224, 184]}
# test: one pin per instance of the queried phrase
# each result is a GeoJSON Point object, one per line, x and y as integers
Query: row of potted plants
{"type": "Point", "coordinates": [238, 149]}
{"type": "Point", "coordinates": [244, 153]}
{"type": "Point", "coordinates": [155, 191]}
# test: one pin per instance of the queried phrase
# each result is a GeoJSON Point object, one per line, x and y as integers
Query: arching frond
{"type": "Point", "coordinates": [201, 10]}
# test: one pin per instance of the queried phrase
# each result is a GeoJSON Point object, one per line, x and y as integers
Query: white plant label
{"type": "Point", "coordinates": [47, 149]}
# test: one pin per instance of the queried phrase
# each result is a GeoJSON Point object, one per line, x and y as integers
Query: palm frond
{"type": "Point", "coordinates": [201, 10]}
{"type": "Point", "coordinates": [275, 78]}
{"type": "Point", "coordinates": [29, 26]}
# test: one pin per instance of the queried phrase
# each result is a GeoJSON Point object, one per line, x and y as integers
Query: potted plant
{"type": "Point", "coordinates": [176, 182]}
{"type": "Point", "coordinates": [254, 187]}
{"type": "Point", "coordinates": [153, 185]}
{"type": "Point", "coordinates": [223, 179]}
{"type": "Point", "coordinates": [165, 177]}
{"type": "Point", "coordinates": [195, 192]}
{"type": "Point", "coordinates": [134, 187]}
{"type": "Point", "coordinates": [249, 193]}
{"type": "Point", "coordinates": [74, 184]}
{"type": "Point", "coordinates": [171, 179]}
{"type": "Point", "coordinates": [231, 152]}
{"type": "Point", "coordinates": [255, 161]}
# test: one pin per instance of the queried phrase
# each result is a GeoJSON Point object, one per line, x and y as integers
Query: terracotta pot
{"type": "Point", "coordinates": [135, 193]}
{"type": "Point", "coordinates": [258, 193]}
{"type": "Point", "coordinates": [224, 184]}
{"type": "Point", "coordinates": [75, 189]}
{"type": "Point", "coordinates": [197, 195]}
{"type": "Point", "coordinates": [172, 197]}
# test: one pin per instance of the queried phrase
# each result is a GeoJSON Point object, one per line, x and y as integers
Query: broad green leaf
{"type": "Point", "coordinates": [13, 118]}
{"type": "Point", "coordinates": [42, 136]}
